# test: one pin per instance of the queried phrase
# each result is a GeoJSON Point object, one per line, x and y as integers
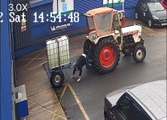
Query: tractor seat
{"type": "Point", "coordinates": [131, 30]}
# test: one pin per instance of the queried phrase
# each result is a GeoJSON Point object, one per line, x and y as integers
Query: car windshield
{"type": "Point", "coordinates": [90, 23]}
{"type": "Point", "coordinates": [154, 7]}
{"type": "Point", "coordinates": [103, 22]}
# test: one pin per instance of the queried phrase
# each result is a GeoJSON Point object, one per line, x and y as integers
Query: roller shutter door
{"type": "Point", "coordinates": [83, 6]}
{"type": "Point", "coordinates": [130, 6]}
{"type": "Point", "coordinates": [40, 30]}
{"type": "Point", "coordinates": [22, 30]}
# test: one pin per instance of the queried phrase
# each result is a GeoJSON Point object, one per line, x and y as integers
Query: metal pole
{"type": "Point", "coordinates": [107, 3]}
{"type": "Point", "coordinates": [112, 3]}
{"type": "Point", "coordinates": [57, 6]}
{"type": "Point", "coordinates": [123, 7]}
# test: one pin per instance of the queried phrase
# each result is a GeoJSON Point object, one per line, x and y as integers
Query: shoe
{"type": "Point", "coordinates": [79, 79]}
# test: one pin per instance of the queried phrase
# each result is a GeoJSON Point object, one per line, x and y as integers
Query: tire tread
{"type": "Point", "coordinates": [96, 50]}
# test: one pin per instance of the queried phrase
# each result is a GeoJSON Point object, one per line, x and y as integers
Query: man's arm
{"type": "Point", "coordinates": [74, 70]}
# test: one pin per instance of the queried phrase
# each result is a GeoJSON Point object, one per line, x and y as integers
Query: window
{"type": "Point", "coordinates": [103, 22]}
{"type": "Point", "coordinates": [154, 7]}
{"type": "Point", "coordinates": [145, 117]}
{"type": "Point", "coordinates": [144, 7]}
{"type": "Point", "coordinates": [115, 24]}
{"type": "Point", "coordinates": [90, 23]}
{"type": "Point", "coordinates": [129, 110]}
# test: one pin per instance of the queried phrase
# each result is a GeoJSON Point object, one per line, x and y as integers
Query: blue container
{"type": "Point", "coordinates": [21, 102]}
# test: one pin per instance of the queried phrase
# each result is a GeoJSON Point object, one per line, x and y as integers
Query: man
{"type": "Point", "coordinates": [79, 65]}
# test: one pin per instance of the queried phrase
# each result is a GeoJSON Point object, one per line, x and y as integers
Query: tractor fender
{"type": "Point", "coordinates": [102, 37]}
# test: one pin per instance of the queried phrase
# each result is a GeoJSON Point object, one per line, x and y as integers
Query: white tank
{"type": "Point", "coordinates": [58, 52]}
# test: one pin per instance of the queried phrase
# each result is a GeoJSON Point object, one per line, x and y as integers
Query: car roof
{"type": "Point", "coordinates": [152, 97]}
{"type": "Point", "coordinates": [99, 11]}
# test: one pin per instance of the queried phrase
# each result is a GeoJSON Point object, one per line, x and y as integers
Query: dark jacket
{"type": "Point", "coordinates": [79, 64]}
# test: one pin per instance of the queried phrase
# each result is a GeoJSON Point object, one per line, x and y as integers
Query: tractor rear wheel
{"type": "Point", "coordinates": [106, 55]}
{"type": "Point", "coordinates": [86, 47]}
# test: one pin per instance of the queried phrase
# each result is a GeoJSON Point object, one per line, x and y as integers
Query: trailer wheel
{"type": "Point", "coordinates": [126, 52]}
{"type": "Point", "coordinates": [106, 55]}
{"type": "Point", "coordinates": [86, 47]}
{"type": "Point", "coordinates": [139, 53]}
{"type": "Point", "coordinates": [57, 78]}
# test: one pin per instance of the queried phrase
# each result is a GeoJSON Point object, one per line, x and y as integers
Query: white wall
{"type": "Point", "coordinates": [114, 1]}
{"type": "Point", "coordinates": [63, 5]}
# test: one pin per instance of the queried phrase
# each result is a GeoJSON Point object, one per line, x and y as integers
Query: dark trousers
{"type": "Point", "coordinates": [77, 69]}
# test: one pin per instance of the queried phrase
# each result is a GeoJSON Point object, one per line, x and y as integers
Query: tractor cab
{"type": "Point", "coordinates": [102, 22]}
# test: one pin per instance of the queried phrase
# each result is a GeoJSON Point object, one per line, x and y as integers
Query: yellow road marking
{"type": "Point", "coordinates": [62, 94]}
{"type": "Point", "coordinates": [32, 60]}
{"type": "Point", "coordinates": [36, 66]}
{"type": "Point", "coordinates": [79, 103]}
{"type": "Point", "coordinates": [76, 99]}
{"type": "Point", "coordinates": [28, 59]}
{"type": "Point", "coordinates": [53, 113]}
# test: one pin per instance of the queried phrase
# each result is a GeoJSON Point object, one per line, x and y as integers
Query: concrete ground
{"type": "Point", "coordinates": [93, 87]}
{"type": "Point", "coordinates": [43, 101]}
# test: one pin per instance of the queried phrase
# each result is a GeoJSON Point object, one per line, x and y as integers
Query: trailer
{"type": "Point", "coordinates": [58, 59]}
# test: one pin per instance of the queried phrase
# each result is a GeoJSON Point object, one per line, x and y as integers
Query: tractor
{"type": "Point", "coordinates": [107, 38]}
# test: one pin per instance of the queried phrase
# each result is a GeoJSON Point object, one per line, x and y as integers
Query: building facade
{"type": "Point", "coordinates": [6, 75]}
{"type": "Point", "coordinates": [37, 31]}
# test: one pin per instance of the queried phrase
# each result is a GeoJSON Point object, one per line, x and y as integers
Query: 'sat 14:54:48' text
{"type": "Point", "coordinates": [73, 17]}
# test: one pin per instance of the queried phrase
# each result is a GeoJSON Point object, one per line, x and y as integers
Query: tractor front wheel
{"type": "Point", "coordinates": [86, 47]}
{"type": "Point", "coordinates": [139, 53]}
{"type": "Point", "coordinates": [106, 55]}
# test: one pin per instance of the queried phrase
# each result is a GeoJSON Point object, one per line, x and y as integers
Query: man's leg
{"type": "Point", "coordinates": [80, 74]}
{"type": "Point", "coordinates": [73, 72]}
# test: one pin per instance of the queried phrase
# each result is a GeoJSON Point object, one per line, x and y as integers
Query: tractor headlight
{"type": "Point", "coordinates": [155, 17]}
{"type": "Point", "coordinates": [92, 36]}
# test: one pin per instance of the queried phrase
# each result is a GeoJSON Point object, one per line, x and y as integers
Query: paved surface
{"type": "Point", "coordinates": [42, 100]}
{"type": "Point", "coordinates": [93, 87]}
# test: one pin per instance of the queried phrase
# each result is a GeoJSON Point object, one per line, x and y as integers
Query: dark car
{"type": "Point", "coordinates": [151, 12]}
